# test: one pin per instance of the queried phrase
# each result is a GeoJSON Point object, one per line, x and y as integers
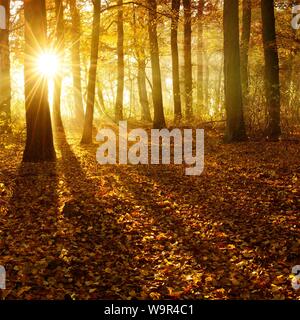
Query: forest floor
{"type": "Point", "coordinates": [79, 230]}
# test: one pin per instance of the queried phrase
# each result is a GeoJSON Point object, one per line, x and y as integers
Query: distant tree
{"type": "Point", "coordinates": [5, 83]}
{"type": "Point", "coordinates": [76, 61]}
{"type": "Point", "coordinates": [121, 66]}
{"type": "Point", "coordinates": [87, 136]}
{"type": "Point", "coordinates": [245, 39]}
{"type": "Point", "coordinates": [175, 60]}
{"type": "Point", "coordinates": [188, 78]}
{"type": "Point", "coordinates": [159, 118]}
{"type": "Point", "coordinates": [200, 44]}
{"type": "Point", "coordinates": [272, 83]}
{"type": "Point", "coordinates": [60, 35]}
{"type": "Point", "coordinates": [39, 139]}
{"type": "Point", "coordinates": [235, 127]}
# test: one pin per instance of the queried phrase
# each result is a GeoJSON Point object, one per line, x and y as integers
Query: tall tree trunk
{"type": "Point", "coordinates": [60, 35]}
{"type": "Point", "coordinates": [245, 39]}
{"type": "Point", "coordinates": [200, 45]}
{"type": "Point", "coordinates": [87, 136]}
{"type": "Point", "coordinates": [76, 68]}
{"type": "Point", "coordinates": [39, 140]}
{"type": "Point", "coordinates": [100, 95]}
{"type": "Point", "coordinates": [159, 117]}
{"type": "Point", "coordinates": [188, 78]}
{"type": "Point", "coordinates": [272, 84]}
{"type": "Point", "coordinates": [146, 116]}
{"type": "Point", "coordinates": [235, 127]}
{"type": "Point", "coordinates": [121, 71]}
{"type": "Point", "coordinates": [175, 60]}
{"type": "Point", "coordinates": [141, 60]}
{"type": "Point", "coordinates": [5, 84]}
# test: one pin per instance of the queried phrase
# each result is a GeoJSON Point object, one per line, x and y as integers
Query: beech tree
{"type": "Point", "coordinates": [235, 127]}
{"type": "Point", "coordinates": [87, 136]}
{"type": "Point", "coordinates": [76, 61]}
{"type": "Point", "coordinates": [5, 83]}
{"type": "Point", "coordinates": [188, 78]}
{"type": "Point", "coordinates": [175, 60]}
{"type": "Point", "coordinates": [59, 13]}
{"type": "Point", "coordinates": [245, 38]}
{"type": "Point", "coordinates": [39, 139]}
{"type": "Point", "coordinates": [159, 118]}
{"type": "Point", "coordinates": [200, 44]}
{"type": "Point", "coordinates": [272, 83]}
{"type": "Point", "coordinates": [121, 71]}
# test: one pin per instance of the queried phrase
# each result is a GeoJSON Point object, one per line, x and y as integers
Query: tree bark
{"type": "Point", "coordinates": [60, 35]}
{"type": "Point", "coordinates": [87, 136]}
{"type": "Point", "coordinates": [188, 78]}
{"type": "Point", "coordinates": [175, 60]}
{"type": "Point", "coordinates": [159, 118]}
{"type": "Point", "coordinates": [5, 82]}
{"type": "Point", "coordinates": [39, 141]}
{"type": "Point", "coordinates": [235, 127]}
{"type": "Point", "coordinates": [245, 39]}
{"type": "Point", "coordinates": [121, 71]}
{"type": "Point", "coordinates": [200, 49]}
{"type": "Point", "coordinates": [146, 116]}
{"type": "Point", "coordinates": [272, 84]}
{"type": "Point", "coordinates": [76, 62]}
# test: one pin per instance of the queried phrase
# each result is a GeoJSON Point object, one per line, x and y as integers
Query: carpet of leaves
{"type": "Point", "coordinates": [78, 230]}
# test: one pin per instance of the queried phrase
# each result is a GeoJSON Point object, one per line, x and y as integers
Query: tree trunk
{"type": "Point", "coordinates": [87, 136]}
{"type": "Point", "coordinates": [146, 116]}
{"type": "Point", "coordinates": [5, 84]}
{"type": "Point", "coordinates": [121, 71]}
{"type": "Point", "coordinates": [175, 60]}
{"type": "Point", "coordinates": [59, 11]}
{"type": "Point", "coordinates": [200, 45]}
{"type": "Point", "coordinates": [188, 59]}
{"type": "Point", "coordinates": [272, 85]}
{"type": "Point", "coordinates": [39, 140]}
{"type": "Point", "coordinates": [159, 118]}
{"type": "Point", "coordinates": [141, 60]}
{"type": "Point", "coordinates": [76, 69]}
{"type": "Point", "coordinates": [235, 127]}
{"type": "Point", "coordinates": [245, 39]}
{"type": "Point", "coordinates": [100, 95]}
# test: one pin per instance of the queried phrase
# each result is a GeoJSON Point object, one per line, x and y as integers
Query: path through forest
{"type": "Point", "coordinates": [76, 229]}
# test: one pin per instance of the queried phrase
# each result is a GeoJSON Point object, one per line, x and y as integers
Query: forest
{"type": "Point", "coordinates": [216, 82]}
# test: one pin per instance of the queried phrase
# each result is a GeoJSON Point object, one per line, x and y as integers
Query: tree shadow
{"type": "Point", "coordinates": [28, 230]}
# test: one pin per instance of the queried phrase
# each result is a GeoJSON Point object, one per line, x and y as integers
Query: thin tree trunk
{"type": "Point", "coordinates": [5, 82]}
{"type": "Point", "coordinates": [245, 39]}
{"type": "Point", "coordinates": [272, 84]}
{"type": "Point", "coordinates": [175, 60]}
{"type": "Point", "coordinates": [76, 68]}
{"type": "Point", "coordinates": [39, 140]}
{"type": "Point", "coordinates": [60, 35]}
{"type": "Point", "coordinates": [188, 78]}
{"type": "Point", "coordinates": [142, 76]}
{"type": "Point", "coordinates": [87, 136]}
{"type": "Point", "coordinates": [200, 45]}
{"type": "Point", "coordinates": [100, 95]}
{"type": "Point", "coordinates": [159, 118]}
{"type": "Point", "coordinates": [121, 71]}
{"type": "Point", "coordinates": [235, 127]}
{"type": "Point", "coordinates": [146, 116]}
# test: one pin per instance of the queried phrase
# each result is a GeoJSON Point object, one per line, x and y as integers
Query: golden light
{"type": "Point", "coordinates": [48, 64]}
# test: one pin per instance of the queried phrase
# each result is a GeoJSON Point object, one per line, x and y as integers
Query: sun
{"type": "Point", "coordinates": [48, 64]}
